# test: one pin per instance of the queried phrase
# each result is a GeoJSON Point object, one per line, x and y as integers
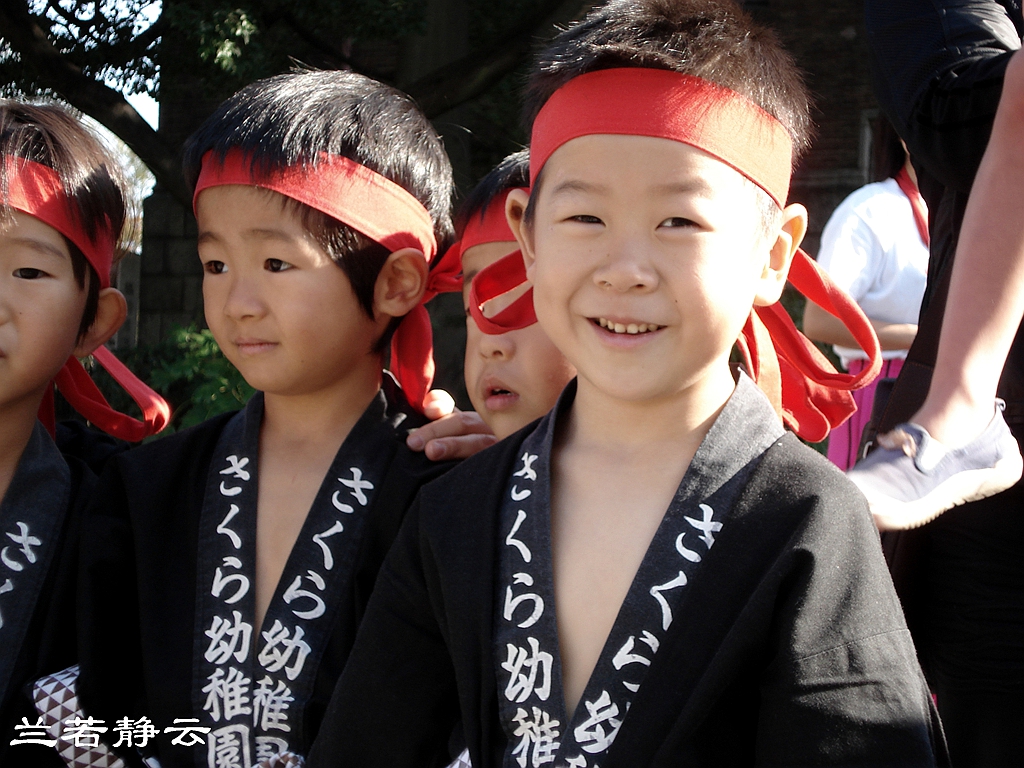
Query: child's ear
{"type": "Point", "coordinates": [401, 283]}
{"type": "Point", "coordinates": [780, 256]}
{"type": "Point", "coordinates": [515, 213]}
{"type": "Point", "coordinates": [111, 311]}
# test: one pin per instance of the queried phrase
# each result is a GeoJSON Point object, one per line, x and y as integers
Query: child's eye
{"type": "Point", "coordinates": [677, 221]}
{"type": "Point", "coordinates": [29, 273]}
{"type": "Point", "coordinates": [276, 265]}
{"type": "Point", "coordinates": [586, 219]}
{"type": "Point", "coordinates": [214, 267]}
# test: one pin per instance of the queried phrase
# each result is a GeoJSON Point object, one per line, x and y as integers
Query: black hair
{"type": "Point", "coordinates": [288, 120]}
{"type": "Point", "coordinates": [511, 172]}
{"type": "Point", "coordinates": [714, 40]}
{"type": "Point", "coordinates": [92, 180]}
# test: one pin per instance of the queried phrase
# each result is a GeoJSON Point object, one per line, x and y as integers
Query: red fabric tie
{"type": "Point", "coordinates": [487, 226]}
{"type": "Point", "coordinates": [372, 205]}
{"type": "Point", "coordinates": [917, 204]}
{"type": "Point", "coordinates": [36, 189]}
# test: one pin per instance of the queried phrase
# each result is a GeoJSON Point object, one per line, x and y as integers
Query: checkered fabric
{"type": "Point", "coordinates": [282, 760]}
{"type": "Point", "coordinates": [462, 761]}
{"type": "Point", "coordinates": [56, 701]}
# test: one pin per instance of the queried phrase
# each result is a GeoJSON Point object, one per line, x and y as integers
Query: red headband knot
{"type": "Point", "coordinates": [372, 205]}
{"type": "Point", "coordinates": [485, 226]}
{"type": "Point", "coordinates": [668, 105]}
{"type": "Point", "coordinates": [36, 189]}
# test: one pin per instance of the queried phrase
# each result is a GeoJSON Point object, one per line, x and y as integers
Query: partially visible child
{"type": "Point", "coordinates": [64, 209]}
{"type": "Point", "coordinates": [512, 378]}
{"type": "Point", "coordinates": [243, 551]}
{"type": "Point", "coordinates": [656, 574]}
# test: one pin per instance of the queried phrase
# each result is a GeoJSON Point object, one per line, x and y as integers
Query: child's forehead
{"type": "Point", "coordinates": [22, 229]}
{"type": "Point", "coordinates": [608, 164]}
{"type": "Point", "coordinates": [238, 206]}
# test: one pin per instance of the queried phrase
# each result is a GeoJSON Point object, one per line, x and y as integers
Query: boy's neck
{"type": "Point", "coordinates": [17, 420]}
{"type": "Point", "coordinates": [326, 415]}
{"type": "Point", "coordinates": [681, 420]}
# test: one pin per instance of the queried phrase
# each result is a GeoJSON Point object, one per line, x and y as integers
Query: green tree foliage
{"type": "Point", "coordinates": [188, 370]}
{"type": "Point", "coordinates": [90, 53]}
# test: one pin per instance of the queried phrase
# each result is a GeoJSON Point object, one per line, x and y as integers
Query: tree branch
{"type": "Point", "coordinates": [24, 34]}
{"type": "Point", "coordinates": [464, 79]}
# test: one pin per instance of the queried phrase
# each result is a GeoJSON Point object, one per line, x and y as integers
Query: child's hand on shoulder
{"type": "Point", "coordinates": [452, 434]}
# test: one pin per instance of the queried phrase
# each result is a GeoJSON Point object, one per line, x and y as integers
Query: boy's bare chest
{"type": "Point", "coordinates": [602, 527]}
{"type": "Point", "coordinates": [287, 489]}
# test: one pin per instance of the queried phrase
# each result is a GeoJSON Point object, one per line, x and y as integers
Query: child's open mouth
{"type": "Point", "coordinates": [630, 328]}
{"type": "Point", "coordinates": [498, 397]}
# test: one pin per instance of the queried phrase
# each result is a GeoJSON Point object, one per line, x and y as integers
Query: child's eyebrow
{"type": "Point", "coordinates": [41, 247]}
{"type": "Point", "coordinates": [261, 233]}
{"type": "Point", "coordinates": [258, 233]}
{"type": "Point", "coordinates": [696, 185]}
{"type": "Point", "coordinates": [576, 185]}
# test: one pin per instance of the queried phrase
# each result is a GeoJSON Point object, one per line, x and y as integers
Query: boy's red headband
{"type": "Point", "coordinates": [372, 205]}
{"type": "Point", "coordinates": [486, 226]}
{"type": "Point", "coordinates": [668, 105]}
{"type": "Point", "coordinates": [807, 392]}
{"type": "Point", "coordinates": [35, 189]}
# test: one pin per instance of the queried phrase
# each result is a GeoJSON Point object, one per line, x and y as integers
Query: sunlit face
{"type": "Point", "coordinates": [281, 310]}
{"type": "Point", "coordinates": [515, 377]}
{"type": "Point", "coordinates": [41, 307]}
{"type": "Point", "coordinates": [646, 256]}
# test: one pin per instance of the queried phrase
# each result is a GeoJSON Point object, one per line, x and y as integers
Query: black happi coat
{"type": "Point", "coordinates": [139, 616]}
{"type": "Point", "coordinates": [56, 482]}
{"type": "Point", "coordinates": [789, 648]}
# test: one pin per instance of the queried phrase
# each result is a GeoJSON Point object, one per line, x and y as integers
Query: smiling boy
{"type": "Point", "coordinates": [251, 543]}
{"type": "Point", "coordinates": [663, 577]}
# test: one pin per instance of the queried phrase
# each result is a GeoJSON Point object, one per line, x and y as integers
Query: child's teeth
{"type": "Point", "coordinates": [631, 328]}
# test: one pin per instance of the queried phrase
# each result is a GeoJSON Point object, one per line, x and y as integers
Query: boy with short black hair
{"type": "Point", "coordinates": [64, 215]}
{"type": "Point", "coordinates": [662, 576]}
{"type": "Point", "coordinates": [249, 545]}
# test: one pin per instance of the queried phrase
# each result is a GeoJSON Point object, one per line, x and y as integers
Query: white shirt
{"type": "Point", "coordinates": [871, 248]}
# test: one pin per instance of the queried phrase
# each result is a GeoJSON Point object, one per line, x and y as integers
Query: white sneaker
{"type": "Point", "coordinates": [918, 478]}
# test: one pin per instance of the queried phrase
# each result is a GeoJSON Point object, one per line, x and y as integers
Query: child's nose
{"type": "Point", "coordinates": [243, 300]}
{"type": "Point", "coordinates": [497, 347]}
{"type": "Point", "coordinates": [626, 268]}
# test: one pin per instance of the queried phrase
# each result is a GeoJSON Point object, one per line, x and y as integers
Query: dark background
{"type": "Point", "coordinates": [463, 60]}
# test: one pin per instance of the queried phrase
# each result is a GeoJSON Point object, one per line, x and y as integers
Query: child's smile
{"type": "Point", "coordinates": [645, 265]}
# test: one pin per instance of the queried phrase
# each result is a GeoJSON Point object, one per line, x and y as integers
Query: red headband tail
{"type": "Point", "coordinates": [504, 275]}
{"type": "Point", "coordinates": [372, 205]}
{"type": "Point", "coordinates": [488, 226]}
{"type": "Point", "coordinates": [813, 397]}
{"type": "Point", "coordinates": [85, 397]}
